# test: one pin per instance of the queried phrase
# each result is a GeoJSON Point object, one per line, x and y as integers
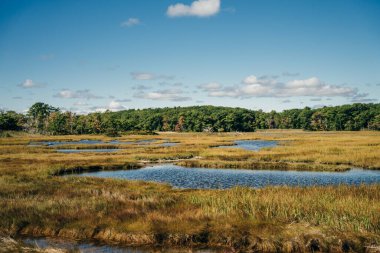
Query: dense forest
{"type": "Point", "coordinates": [46, 119]}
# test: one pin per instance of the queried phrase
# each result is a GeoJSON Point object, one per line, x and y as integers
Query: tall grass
{"type": "Point", "coordinates": [344, 207]}
{"type": "Point", "coordinates": [34, 201]}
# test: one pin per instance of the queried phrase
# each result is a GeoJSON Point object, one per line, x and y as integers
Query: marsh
{"type": "Point", "coordinates": [200, 178]}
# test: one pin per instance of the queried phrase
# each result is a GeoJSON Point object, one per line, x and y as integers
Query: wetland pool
{"type": "Point", "coordinates": [88, 142]}
{"type": "Point", "coordinates": [92, 247]}
{"type": "Point", "coordinates": [253, 145]}
{"type": "Point", "coordinates": [96, 142]}
{"type": "Point", "coordinates": [201, 178]}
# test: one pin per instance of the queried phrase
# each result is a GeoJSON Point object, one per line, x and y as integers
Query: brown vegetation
{"type": "Point", "coordinates": [34, 201]}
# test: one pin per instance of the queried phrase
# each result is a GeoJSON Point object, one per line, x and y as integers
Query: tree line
{"type": "Point", "coordinates": [46, 119]}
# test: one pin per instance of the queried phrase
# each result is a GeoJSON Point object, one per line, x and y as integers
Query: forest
{"type": "Point", "coordinates": [46, 119]}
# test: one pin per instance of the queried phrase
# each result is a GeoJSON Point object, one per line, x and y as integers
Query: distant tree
{"type": "Point", "coordinates": [95, 123]}
{"type": "Point", "coordinates": [304, 118]}
{"type": "Point", "coordinates": [374, 124]}
{"type": "Point", "coordinates": [44, 118]}
{"type": "Point", "coordinates": [109, 124]}
{"type": "Point", "coordinates": [39, 113]}
{"type": "Point", "coordinates": [318, 121]}
{"type": "Point", "coordinates": [271, 120]}
{"type": "Point", "coordinates": [57, 122]}
{"type": "Point", "coordinates": [80, 125]}
{"type": "Point", "coordinates": [11, 120]}
{"type": "Point", "coordinates": [165, 124]}
{"type": "Point", "coordinates": [180, 126]}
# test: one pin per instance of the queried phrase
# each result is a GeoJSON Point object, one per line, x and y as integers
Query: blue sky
{"type": "Point", "coordinates": [94, 55]}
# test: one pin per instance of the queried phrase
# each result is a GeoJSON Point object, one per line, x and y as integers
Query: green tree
{"type": "Point", "coordinates": [39, 113]}
{"type": "Point", "coordinates": [11, 120]}
{"type": "Point", "coordinates": [57, 122]}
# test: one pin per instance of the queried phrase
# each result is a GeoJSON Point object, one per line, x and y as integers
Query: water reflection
{"type": "Point", "coordinates": [88, 142]}
{"type": "Point", "coordinates": [168, 144]}
{"type": "Point", "coordinates": [83, 247]}
{"type": "Point", "coordinates": [200, 178]}
{"type": "Point", "coordinates": [253, 145]}
{"type": "Point", "coordinates": [99, 150]}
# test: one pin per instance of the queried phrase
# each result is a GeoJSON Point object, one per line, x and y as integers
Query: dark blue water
{"type": "Point", "coordinates": [254, 145]}
{"type": "Point", "coordinates": [200, 178]}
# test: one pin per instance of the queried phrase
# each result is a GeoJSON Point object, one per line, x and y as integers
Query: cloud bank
{"type": "Point", "coordinates": [146, 76]}
{"type": "Point", "coordinates": [83, 94]}
{"type": "Point", "coordinates": [169, 95]}
{"type": "Point", "coordinates": [253, 86]}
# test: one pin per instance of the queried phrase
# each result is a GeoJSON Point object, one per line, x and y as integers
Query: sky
{"type": "Point", "coordinates": [87, 56]}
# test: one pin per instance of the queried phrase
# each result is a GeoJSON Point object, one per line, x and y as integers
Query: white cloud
{"type": "Point", "coordinates": [226, 92]}
{"type": "Point", "coordinates": [269, 87]}
{"type": "Point", "coordinates": [199, 8]}
{"type": "Point", "coordinates": [311, 82]}
{"type": "Point", "coordinates": [170, 95]}
{"type": "Point", "coordinates": [145, 76]}
{"type": "Point", "coordinates": [130, 22]}
{"type": "Point", "coordinates": [84, 94]}
{"type": "Point", "coordinates": [250, 79]}
{"type": "Point", "coordinates": [66, 94]}
{"type": "Point", "coordinates": [217, 90]}
{"type": "Point", "coordinates": [210, 86]}
{"type": "Point", "coordinates": [28, 84]}
{"type": "Point", "coordinates": [262, 80]}
{"type": "Point", "coordinates": [142, 76]}
{"type": "Point", "coordinates": [115, 106]}
{"type": "Point", "coordinates": [314, 87]}
{"type": "Point", "coordinates": [257, 89]}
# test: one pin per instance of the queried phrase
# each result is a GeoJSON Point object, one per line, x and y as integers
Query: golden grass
{"type": "Point", "coordinates": [297, 149]}
{"type": "Point", "coordinates": [34, 201]}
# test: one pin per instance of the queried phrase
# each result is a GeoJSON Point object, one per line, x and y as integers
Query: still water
{"type": "Point", "coordinates": [200, 178]}
{"type": "Point", "coordinates": [98, 150]}
{"type": "Point", "coordinates": [88, 142]}
{"type": "Point", "coordinates": [90, 247]}
{"type": "Point", "coordinates": [253, 145]}
{"type": "Point", "coordinates": [94, 142]}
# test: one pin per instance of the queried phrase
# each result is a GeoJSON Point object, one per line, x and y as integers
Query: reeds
{"type": "Point", "coordinates": [35, 201]}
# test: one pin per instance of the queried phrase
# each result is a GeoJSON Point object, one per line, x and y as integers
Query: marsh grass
{"type": "Point", "coordinates": [35, 201]}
